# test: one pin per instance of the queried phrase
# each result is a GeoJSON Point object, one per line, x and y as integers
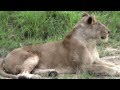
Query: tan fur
{"type": "Point", "coordinates": [76, 52]}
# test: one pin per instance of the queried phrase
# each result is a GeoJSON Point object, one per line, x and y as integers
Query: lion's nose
{"type": "Point", "coordinates": [108, 32]}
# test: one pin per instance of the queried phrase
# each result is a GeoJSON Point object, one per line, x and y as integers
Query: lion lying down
{"type": "Point", "coordinates": [76, 52]}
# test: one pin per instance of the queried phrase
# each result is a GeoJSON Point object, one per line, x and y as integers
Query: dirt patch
{"type": "Point", "coordinates": [112, 59]}
{"type": "Point", "coordinates": [112, 51]}
{"type": "Point", "coordinates": [115, 58]}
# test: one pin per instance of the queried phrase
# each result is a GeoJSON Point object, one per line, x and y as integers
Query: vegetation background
{"type": "Point", "coordinates": [19, 28]}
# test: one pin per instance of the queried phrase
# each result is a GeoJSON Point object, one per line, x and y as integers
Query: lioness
{"type": "Point", "coordinates": [76, 52]}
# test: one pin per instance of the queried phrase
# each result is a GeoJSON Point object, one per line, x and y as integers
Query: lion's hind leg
{"type": "Point", "coordinates": [28, 65]}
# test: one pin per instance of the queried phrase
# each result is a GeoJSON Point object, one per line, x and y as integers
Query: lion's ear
{"type": "Point", "coordinates": [90, 20]}
{"type": "Point", "coordinates": [84, 14]}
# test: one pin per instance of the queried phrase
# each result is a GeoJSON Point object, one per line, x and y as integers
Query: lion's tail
{"type": "Point", "coordinates": [3, 74]}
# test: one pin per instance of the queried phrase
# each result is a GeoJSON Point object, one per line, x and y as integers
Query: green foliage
{"type": "Point", "coordinates": [33, 27]}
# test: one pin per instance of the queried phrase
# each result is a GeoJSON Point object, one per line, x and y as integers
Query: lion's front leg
{"type": "Point", "coordinates": [101, 68]}
{"type": "Point", "coordinates": [109, 64]}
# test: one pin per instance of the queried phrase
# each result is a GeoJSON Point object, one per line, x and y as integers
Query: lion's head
{"type": "Point", "coordinates": [92, 28]}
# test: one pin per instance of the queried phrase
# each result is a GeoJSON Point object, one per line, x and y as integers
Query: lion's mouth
{"type": "Point", "coordinates": [103, 37]}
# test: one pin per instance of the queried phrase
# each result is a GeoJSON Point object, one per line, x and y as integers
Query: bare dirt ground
{"type": "Point", "coordinates": [115, 58]}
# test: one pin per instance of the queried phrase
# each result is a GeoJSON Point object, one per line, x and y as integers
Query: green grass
{"type": "Point", "coordinates": [76, 76]}
{"type": "Point", "coordinates": [33, 27]}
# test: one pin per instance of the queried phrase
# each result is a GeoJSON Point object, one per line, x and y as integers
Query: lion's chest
{"type": "Point", "coordinates": [91, 46]}
{"type": "Point", "coordinates": [94, 53]}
